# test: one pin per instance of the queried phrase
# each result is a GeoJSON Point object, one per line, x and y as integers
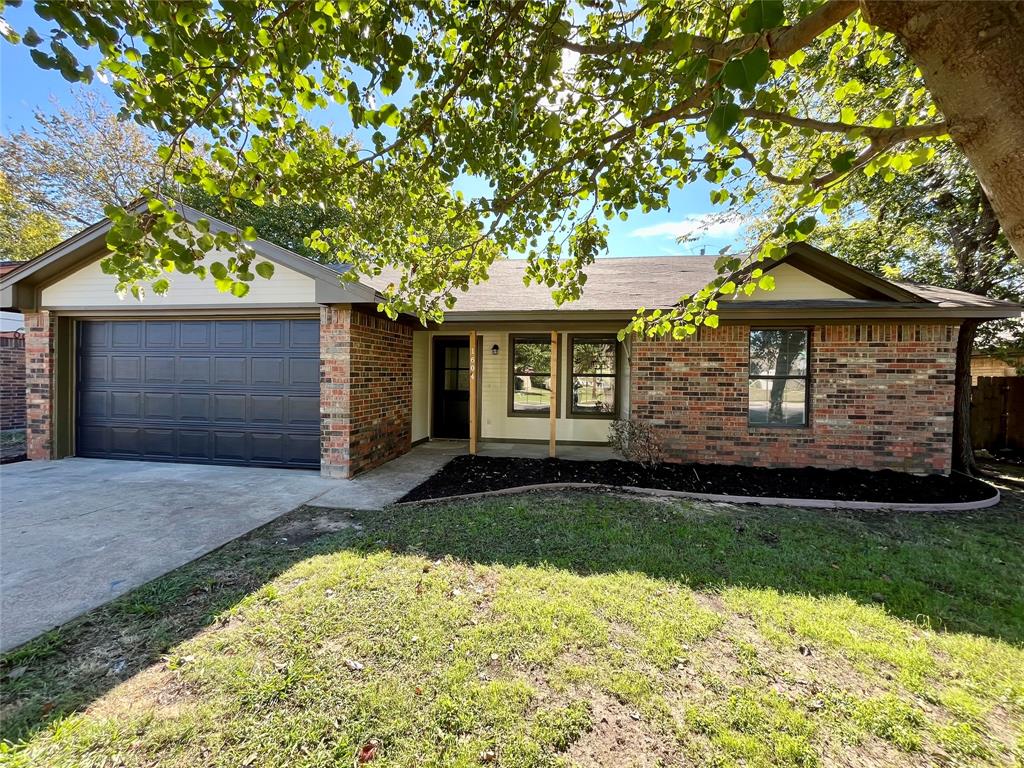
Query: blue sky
{"type": "Point", "coordinates": [25, 88]}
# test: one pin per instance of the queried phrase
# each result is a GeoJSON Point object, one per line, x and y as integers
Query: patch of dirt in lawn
{"type": "Point", "coordinates": [156, 690]}
{"type": "Point", "coordinates": [618, 737]}
{"type": "Point", "coordinates": [305, 524]}
{"type": "Point", "coordinates": [476, 474]}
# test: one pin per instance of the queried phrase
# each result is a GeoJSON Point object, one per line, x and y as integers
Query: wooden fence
{"type": "Point", "coordinates": [997, 412]}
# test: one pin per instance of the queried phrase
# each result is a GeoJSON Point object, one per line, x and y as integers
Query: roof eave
{"type": "Point", "coordinates": [18, 287]}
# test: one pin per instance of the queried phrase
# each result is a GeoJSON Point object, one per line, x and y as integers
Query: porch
{"type": "Point", "coordinates": [518, 390]}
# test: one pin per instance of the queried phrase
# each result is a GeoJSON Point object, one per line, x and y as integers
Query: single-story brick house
{"type": "Point", "coordinates": [834, 368]}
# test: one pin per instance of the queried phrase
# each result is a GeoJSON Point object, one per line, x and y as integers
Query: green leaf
{"type": "Point", "coordinates": [759, 15]}
{"type": "Point", "coordinates": [402, 48]}
{"type": "Point", "coordinates": [219, 271]}
{"type": "Point", "coordinates": [766, 283]}
{"type": "Point", "coordinates": [249, 234]}
{"type": "Point", "coordinates": [31, 38]}
{"type": "Point", "coordinates": [724, 118]}
{"type": "Point", "coordinates": [711, 321]}
{"type": "Point", "coordinates": [553, 127]}
{"type": "Point", "coordinates": [843, 162]}
{"type": "Point", "coordinates": [807, 224]}
{"type": "Point", "coordinates": [265, 269]}
{"type": "Point", "coordinates": [744, 73]}
{"type": "Point", "coordinates": [239, 289]}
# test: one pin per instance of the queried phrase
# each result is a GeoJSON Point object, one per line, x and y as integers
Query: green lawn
{"type": "Point", "coordinates": [547, 630]}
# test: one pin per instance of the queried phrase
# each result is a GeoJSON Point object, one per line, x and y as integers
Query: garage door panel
{"type": "Point", "coordinates": [268, 333]}
{"type": "Point", "coordinates": [267, 409]}
{"type": "Point", "coordinates": [159, 370]}
{"type": "Point", "coordinates": [158, 406]}
{"type": "Point", "coordinates": [304, 334]}
{"type": "Point", "coordinates": [269, 371]}
{"type": "Point", "coordinates": [229, 333]}
{"type": "Point", "coordinates": [125, 335]}
{"type": "Point", "coordinates": [304, 410]}
{"type": "Point", "coordinates": [229, 446]}
{"type": "Point", "coordinates": [193, 407]}
{"type": "Point", "coordinates": [94, 367]}
{"type": "Point", "coordinates": [193, 370]}
{"type": "Point", "coordinates": [126, 369]}
{"type": "Point", "coordinates": [194, 445]}
{"type": "Point", "coordinates": [304, 450]}
{"type": "Point", "coordinates": [210, 391]}
{"type": "Point", "coordinates": [125, 405]}
{"type": "Point", "coordinates": [159, 443]}
{"type": "Point", "coordinates": [93, 405]}
{"type": "Point", "coordinates": [228, 408]}
{"type": "Point", "coordinates": [230, 371]}
{"type": "Point", "coordinates": [161, 334]}
{"type": "Point", "coordinates": [126, 441]}
{"type": "Point", "coordinates": [194, 334]}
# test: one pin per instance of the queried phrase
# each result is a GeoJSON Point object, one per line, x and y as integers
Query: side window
{"type": "Point", "coordinates": [778, 384]}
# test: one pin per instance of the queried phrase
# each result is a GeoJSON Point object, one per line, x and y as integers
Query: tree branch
{"type": "Point", "coordinates": [892, 134]}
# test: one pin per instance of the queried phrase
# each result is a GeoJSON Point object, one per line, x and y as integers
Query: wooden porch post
{"type": "Point", "coordinates": [473, 427]}
{"type": "Point", "coordinates": [553, 417]}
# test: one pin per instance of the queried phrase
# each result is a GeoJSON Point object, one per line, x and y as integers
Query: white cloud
{"type": "Point", "coordinates": [694, 225]}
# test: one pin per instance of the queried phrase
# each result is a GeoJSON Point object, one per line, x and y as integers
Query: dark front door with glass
{"type": "Point", "coordinates": [451, 388]}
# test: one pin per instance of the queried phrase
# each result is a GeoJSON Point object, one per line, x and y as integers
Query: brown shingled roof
{"type": "Point", "coordinates": [613, 284]}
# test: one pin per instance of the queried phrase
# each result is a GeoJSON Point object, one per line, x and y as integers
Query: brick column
{"type": "Point", "coordinates": [39, 384]}
{"type": "Point", "coordinates": [365, 390]}
{"type": "Point", "coordinates": [335, 390]}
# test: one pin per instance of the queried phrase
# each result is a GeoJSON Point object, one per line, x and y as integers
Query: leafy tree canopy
{"type": "Point", "coordinates": [572, 113]}
{"type": "Point", "coordinates": [24, 233]}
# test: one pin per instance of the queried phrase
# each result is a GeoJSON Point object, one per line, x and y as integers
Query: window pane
{"type": "Point", "coordinates": [778, 401]}
{"type": "Point", "coordinates": [531, 393]}
{"type": "Point", "coordinates": [593, 357]}
{"type": "Point", "coordinates": [463, 357]}
{"type": "Point", "coordinates": [532, 357]}
{"type": "Point", "coordinates": [463, 381]}
{"type": "Point", "coordinates": [593, 394]}
{"type": "Point", "coordinates": [778, 353]}
{"type": "Point", "coordinates": [451, 357]}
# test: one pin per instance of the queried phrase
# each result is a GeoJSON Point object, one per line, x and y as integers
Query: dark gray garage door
{"type": "Point", "coordinates": [204, 391]}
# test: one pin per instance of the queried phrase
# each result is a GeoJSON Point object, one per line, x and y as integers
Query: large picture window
{"type": "Point", "coordinates": [530, 368]}
{"type": "Point", "coordinates": [593, 376]}
{"type": "Point", "coordinates": [778, 383]}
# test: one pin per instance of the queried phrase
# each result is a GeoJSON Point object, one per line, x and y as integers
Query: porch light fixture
{"type": "Point", "coordinates": [494, 349]}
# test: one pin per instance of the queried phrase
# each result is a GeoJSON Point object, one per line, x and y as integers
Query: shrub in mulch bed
{"type": "Point", "coordinates": [475, 474]}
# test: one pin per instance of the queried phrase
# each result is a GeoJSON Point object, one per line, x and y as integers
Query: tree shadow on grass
{"type": "Point", "coordinates": [957, 572]}
{"type": "Point", "coordinates": [65, 669]}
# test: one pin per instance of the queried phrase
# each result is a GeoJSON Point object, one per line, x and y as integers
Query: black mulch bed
{"type": "Point", "coordinates": [475, 474]}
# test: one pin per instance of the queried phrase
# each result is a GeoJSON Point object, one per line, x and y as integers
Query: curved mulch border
{"type": "Point", "coordinates": [958, 506]}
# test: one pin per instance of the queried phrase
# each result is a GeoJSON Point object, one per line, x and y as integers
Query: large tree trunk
{"type": "Point", "coordinates": [972, 57]}
{"type": "Point", "coordinates": [963, 451]}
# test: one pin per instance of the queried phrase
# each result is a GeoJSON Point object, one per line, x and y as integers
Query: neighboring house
{"type": "Point", "coordinates": [12, 363]}
{"type": "Point", "coordinates": [835, 368]}
{"type": "Point", "coordinates": [985, 364]}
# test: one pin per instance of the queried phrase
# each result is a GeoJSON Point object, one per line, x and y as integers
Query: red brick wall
{"type": "Point", "coordinates": [881, 397]}
{"type": "Point", "coordinates": [365, 390]}
{"type": "Point", "coordinates": [12, 382]}
{"type": "Point", "coordinates": [38, 384]}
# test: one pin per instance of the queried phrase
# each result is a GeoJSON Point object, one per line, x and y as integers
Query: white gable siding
{"type": "Point", "coordinates": [794, 284]}
{"type": "Point", "coordinates": [89, 287]}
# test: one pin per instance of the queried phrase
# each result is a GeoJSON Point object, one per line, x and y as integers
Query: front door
{"type": "Point", "coordinates": [451, 387]}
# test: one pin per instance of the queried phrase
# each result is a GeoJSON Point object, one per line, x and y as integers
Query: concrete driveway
{"type": "Point", "coordinates": [76, 533]}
